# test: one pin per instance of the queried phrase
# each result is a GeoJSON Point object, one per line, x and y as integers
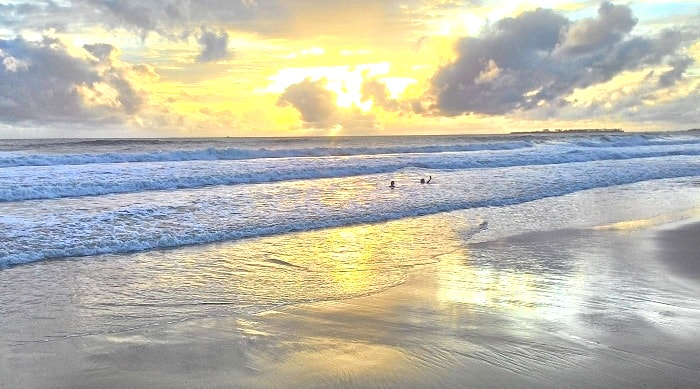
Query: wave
{"type": "Point", "coordinates": [14, 159]}
{"type": "Point", "coordinates": [144, 242]}
{"type": "Point", "coordinates": [168, 220]}
{"type": "Point", "coordinates": [57, 181]}
{"type": "Point", "coordinates": [635, 141]}
{"type": "Point", "coordinates": [178, 150]}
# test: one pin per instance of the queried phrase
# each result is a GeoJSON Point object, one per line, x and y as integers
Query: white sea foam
{"type": "Point", "coordinates": [63, 210]}
{"type": "Point", "coordinates": [80, 152]}
{"type": "Point", "coordinates": [66, 180]}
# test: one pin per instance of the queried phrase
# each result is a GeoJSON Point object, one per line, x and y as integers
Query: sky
{"type": "Point", "coordinates": [140, 68]}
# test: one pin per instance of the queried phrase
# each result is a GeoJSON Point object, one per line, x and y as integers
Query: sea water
{"type": "Point", "coordinates": [105, 235]}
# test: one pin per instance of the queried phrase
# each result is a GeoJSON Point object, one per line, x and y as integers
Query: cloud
{"type": "Point", "coordinates": [34, 15]}
{"type": "Point", "coordinates": [42, 81]}
{"type": "Point", "coordinates": [319, 112]}
{"type": "Point", "coordinates": [680, 65]}
{"type": "Point", "coordinates": [519, 47]}
{"type": "Point", "coordinates": [133, 13]}
{"type": "Point", "coordinates": [378, 92]}
{"type": "Point", "coordinates": [167, 16]}
{"type": "Point", "coordinates": [540, 57]}
{"type": "Point", "coordinates": [315, 103]}
{"type": "Point", "coordinates": [175, 18]}
{"type": "Point", "coordinates": [214, 46]}
{"type": "Point", "coordinates": [532, 65]}
{"type": "Point", "coordinates": [120, 77]}
{"type": "Point", "coordinates": [684, 111]}
{"type": "Point", "coordinates": [588, 35]}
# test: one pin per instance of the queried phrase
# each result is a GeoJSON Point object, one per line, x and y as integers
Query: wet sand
{"type": "Point", "coordinates": [680, 249]}
{"type": "Point", "coordinates": [574, 308]}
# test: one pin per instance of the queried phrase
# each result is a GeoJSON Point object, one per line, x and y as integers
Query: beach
{"type": "Point", "coordinates": [610, 306]}
{"type": "Point", "coordinates": [528, 261]}
{"type": "Point", "coordinates": [387, 194]}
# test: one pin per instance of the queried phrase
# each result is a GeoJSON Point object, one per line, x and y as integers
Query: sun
{"type": "Point", "coordinates": [344, 81]}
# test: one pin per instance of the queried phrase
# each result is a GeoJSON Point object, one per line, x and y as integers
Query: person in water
{"type": "Point", "coordinates": [422, 180]}
{"type": "Point", "coordinates": [391, 185]}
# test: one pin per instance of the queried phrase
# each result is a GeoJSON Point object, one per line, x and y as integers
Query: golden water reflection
{"type": "Point", "coordinates": [479, 287]}
{"type": "Point", "coordinates": [664, 218]}
{"type": "Point", "coordinates": [335, 263]}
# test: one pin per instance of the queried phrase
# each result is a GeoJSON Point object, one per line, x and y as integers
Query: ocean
{"type": "Point", "coordinates": [101, 236]}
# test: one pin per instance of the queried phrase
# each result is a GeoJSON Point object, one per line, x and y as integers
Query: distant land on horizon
{"type": "Point", "coordinates": [568, 130]}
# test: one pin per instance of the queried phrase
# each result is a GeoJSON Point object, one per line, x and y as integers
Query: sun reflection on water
{"type": "Point", "coordinates": [334, 263]}
{"type": "Point", "coordinates": [489, 285]}
{"type": "Point", "coordinates": [341, 263]}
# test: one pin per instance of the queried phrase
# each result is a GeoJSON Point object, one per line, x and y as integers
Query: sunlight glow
{"type": "Point", "coordinates": [349, 50]}
{"type": "Point", "coordinates": [638, 224]}
{"type": "Point", "coordinates": [456, 24]}
{"type": "Point", "coordinates": [306, 52]}
{"type": "Point", "coordinates": [397, 85]}
{"type": "Point", "coordinates": [348, 53]}
{"type": "Point", "coordinates": [345, 81]}
{"type": "Point", "coordinates": [522, 293]}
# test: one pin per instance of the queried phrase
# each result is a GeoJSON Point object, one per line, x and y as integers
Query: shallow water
{"type": "Point", "coordinates": [527, 261]}
{"type": "Point", "coordinates": [110, 293]}
{"type": "Point", "coordinates": [68, 198]}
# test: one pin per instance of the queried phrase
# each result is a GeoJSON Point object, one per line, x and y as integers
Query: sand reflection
{"type": "Point", "coordinates": [483, 281]}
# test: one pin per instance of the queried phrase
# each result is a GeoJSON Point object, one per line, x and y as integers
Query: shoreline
{"type": "Point", "coordinates": [526, 311]}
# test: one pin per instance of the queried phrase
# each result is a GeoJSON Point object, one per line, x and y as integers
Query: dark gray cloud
{"type": "Point", "coordinates": [166, 17]}
{"type": "Point", "coordinates": [43, 85]}
{"type": "Point", "coordinates": [103, 52]}
{"type": "Point", "coordinates": [491, 74]}
{"type": "Point", "coordinates": [683, 112]}
{"type": "Point", "coordinates": [317, 106]}
{"type": "Point", "coordinates": [378, 92]}
{"type": "Point", "coordinates": [541, 57]}
{"type": "Point", "coordinates": [118, 76]}
{"type": "Point", "coordinates": [41, 81]}
{"type": "Point", "coordinates": [679, 66]}
{"type": "Point", "coordinates": [33, 15]}
{"type": "Point", "coordinates": [214, 46]}
{"type": "Point", "coordinates": [611, 26]}
{"type": "Point", "coordinates": [133, 13]}
{"type": "Point", "coordinates": [177, 18]}
{"type": "Point", "coordinates": [315, 103]}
